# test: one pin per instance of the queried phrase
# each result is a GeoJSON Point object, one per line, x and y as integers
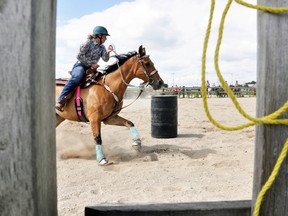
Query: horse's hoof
{"type": "Point", "coordinates": [104, 162]}
{"type": "Point", "coordinates": [137, 145]}
{"type": "Point", "coordinates": [137, 148]}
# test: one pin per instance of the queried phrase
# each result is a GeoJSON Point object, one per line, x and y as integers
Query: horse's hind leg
{"type": "Point", "coordinates": [119, 121]}
{"type": "Point", "coordinates": [59, 119]}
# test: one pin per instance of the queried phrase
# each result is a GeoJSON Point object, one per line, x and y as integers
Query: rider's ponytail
{"type": "Point", "coordinates": [91, 36]}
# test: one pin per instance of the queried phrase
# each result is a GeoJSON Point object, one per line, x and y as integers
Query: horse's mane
{"type": "Point", "coordinates": [120, 59]}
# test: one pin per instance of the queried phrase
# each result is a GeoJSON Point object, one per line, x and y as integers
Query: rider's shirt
{"type": "Point", "coordinates": [90, 53]}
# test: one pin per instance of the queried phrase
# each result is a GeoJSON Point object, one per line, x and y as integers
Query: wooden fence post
{"type": "Point", "coordinates": [27, 134]}
{"type": "Point", "coordinates": [272, 80]}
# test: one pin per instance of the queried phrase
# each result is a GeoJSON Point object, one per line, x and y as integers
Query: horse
{"type": "Point", "coordinates": [103, 100]}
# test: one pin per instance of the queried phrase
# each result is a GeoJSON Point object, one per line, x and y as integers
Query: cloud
{"type": "Point", "coordinates": [173, 34]}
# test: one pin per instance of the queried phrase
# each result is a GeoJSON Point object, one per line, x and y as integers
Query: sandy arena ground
{"type": "Point", "coordinates": [203, 163]}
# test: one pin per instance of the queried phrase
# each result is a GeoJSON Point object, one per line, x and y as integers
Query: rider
{"type": "Point", "coordinates": [90, 53]}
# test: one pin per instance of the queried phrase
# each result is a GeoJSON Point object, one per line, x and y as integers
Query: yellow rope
{"type": "Point", "coordinates": [270, 119]}
{"type": "Point", "coordinates": [263, 8]}
{"type": "Point", "coordinates": [271, 179]}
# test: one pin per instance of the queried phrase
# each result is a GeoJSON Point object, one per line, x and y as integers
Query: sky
{"type": "Point", "coordinates": [171, 31]}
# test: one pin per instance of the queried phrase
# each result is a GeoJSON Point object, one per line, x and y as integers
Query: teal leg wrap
{"type": "Point", "coordinates": [134, 133]}
{"type": "Point", "coordinates": [99, 153]}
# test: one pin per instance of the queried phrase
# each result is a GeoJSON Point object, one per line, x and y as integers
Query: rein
{"type": "Point", "coordinates": [141, 91]}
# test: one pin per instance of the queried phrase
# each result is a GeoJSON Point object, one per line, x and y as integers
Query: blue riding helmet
{"type": "Point", "coordinates": [100, 30]}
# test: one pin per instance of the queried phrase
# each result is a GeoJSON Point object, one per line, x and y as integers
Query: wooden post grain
{"type": "Point", "coordinates": [272, 80]}
{"type": "Point", "coordinates": [27, 134]}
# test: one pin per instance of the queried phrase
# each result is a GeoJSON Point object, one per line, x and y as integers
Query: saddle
{"type": "Point", "coordinates": [91, 77]}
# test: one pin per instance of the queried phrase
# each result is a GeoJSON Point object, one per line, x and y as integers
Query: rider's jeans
{"type": "Point", "coordinates": [78, 73]}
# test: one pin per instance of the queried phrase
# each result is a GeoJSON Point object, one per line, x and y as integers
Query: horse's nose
{"type": "Point", "coordinates": [157, 84]}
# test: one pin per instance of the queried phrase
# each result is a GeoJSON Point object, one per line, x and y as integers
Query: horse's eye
{"type": "Point", "coordinates": [147, 64]}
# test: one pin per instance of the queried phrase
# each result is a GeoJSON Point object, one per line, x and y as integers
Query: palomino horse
{"type": "Point", "coordinates": [103, 101]}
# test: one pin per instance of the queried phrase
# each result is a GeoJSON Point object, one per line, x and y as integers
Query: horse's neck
{"type": "Point", "coordinates": [118, 80]}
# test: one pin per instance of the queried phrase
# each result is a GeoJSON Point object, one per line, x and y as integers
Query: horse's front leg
{"type": "Point", "coordinates": [96, 130]}
{"type": "Point", "coordinates": [119, 121]}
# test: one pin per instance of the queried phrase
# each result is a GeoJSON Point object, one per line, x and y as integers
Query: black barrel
{"type": "Point", "coordinates": [164, 119]}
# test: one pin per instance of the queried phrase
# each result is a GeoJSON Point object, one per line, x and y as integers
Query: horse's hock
{"type": "Point", "coordinates": [164, 116]}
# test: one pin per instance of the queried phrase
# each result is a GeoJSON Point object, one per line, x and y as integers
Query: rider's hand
{"type": "Point", "coordinates": [94, 66]}
{"type": "Point", "coordinates": [110, 48]}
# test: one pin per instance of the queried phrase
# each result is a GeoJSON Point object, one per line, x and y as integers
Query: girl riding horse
{"type": "Point", "coordinates": [104, 99]}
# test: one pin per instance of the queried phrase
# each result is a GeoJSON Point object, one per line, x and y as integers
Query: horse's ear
{"type": "Point", "coordinates": [141, 51]}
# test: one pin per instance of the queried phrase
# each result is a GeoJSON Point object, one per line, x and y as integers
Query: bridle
{"type": "Point", "coordinates": [150, 80]}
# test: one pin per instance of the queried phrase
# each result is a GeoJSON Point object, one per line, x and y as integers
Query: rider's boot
{"type": "Point", "coordinates": [61, 104]}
